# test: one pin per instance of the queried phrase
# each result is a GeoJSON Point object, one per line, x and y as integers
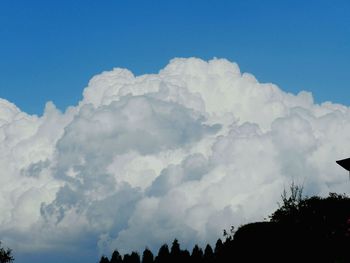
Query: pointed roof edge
{"type": "Point", "coordinates": [345, 163]}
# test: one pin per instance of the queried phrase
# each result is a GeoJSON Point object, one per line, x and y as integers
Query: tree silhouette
{"type": "Point", "coordinates": [175, 248]}
{"type": "Point", "coordinates": [302, 229]}
{"type": "Point", "coordinates": [175, 252]}
{"type": "Point", "coordinates": [219, 251]}
{"type": "Point", "coordinates": [126, 258]}
{"type": "Point", "coordinates": [322, 222]}
{"type": "Point", "coordinates": [116, 257]}
{"type": "Point", "coordinates": [5, 255]}
{"type": "Point", "coordinates": [290, 204]}
{"type": "Point", "coordinates": [131, 258]}
{"type": "Point", "coordinates": [102, 260]}
{"type": "Point", "coordinates": [197, 254]}
{"type": "Point", "coordinates": [163, 254]}
{"type": "Point", "coordinates": [147, 256]}
{"type": "Point", "coordinates": [208, 254]}
{"type": "Point", "coordinates": [185, 256]}
{"type": "Point", "coordinates": [134, 257]}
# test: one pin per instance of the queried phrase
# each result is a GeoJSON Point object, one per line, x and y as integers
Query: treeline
{"type": "Point", "coordinates": [174, 254]}
{"type": "Point", "coordinates": [302, 229]}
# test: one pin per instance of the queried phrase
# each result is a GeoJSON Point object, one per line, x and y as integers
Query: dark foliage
{"type": "Point", "coordinates": [5, 255]}
{"type": "Point", "coordinates": [147, 256]}
{"type": "Point", "coordinates": [208, 255]}
{"type": "Point", "coordinates": [197, 254]}
{"type": "Point", "coordinates": [302, 229]}
{"type": "Point", "coordinates": [132, 258]}
{"type": "Point", "coordinates": [163, 254]}
{"type": "Point", "coordinates": [116, 257]}
{"type": "Point", "coordinates": [104, 259]}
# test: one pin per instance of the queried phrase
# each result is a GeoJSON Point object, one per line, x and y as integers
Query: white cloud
{"type": "Point", "coordinates": [183, 153]}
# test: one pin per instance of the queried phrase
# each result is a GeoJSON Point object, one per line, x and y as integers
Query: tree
{"type": "Point", "coordinates": [163, 254]}
{"type": "Point", "coordinates": [147, 256]}
{"type": "Point", "coordinates": [175, 252]}
{"type": "Point", "coordinates": [185, 256]}
{"type": "Point", "coordinates": [229, 235]}
{"type": "Point", "coordinates": [319, 221]}
{"type": "Point", "coordinates": [290, 204]}
{"type": "Point", "coordinates": [5, 255]}
{"type": "Point", "coordinates": [126, 258]}
{"type": "Point", "coordinates": [134, 257]}
{"type": "Point", "coordinates": [102, 260]}
{"type": "Point", "coordinates": [197, 254]}
{"type": "Point", "coordinates": [208, 254]}
{"type": "Point", "coordinates": [175, 248]}
{"type": "Point", "coordinates": [219, 251]}
{"type": "Point", "coordinates": [116, 257]}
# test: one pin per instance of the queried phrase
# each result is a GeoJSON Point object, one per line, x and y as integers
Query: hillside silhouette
{"type": "Point", "coordinates": [302, 229]}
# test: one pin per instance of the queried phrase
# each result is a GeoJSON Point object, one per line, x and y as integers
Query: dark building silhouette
{"type": "Point", "coordinates": [345, 163]}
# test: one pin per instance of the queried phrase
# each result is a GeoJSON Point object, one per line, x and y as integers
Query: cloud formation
{"type": "Point", "coordinates": [141, 160]}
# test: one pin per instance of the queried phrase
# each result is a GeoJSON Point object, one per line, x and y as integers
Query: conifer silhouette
{"type": "Point", "coordinates": [102, 260]}
{"type": "Point", "coordinates": [197, 254]}
{"type": "Point", "coordinates": [208, 254]}
{"type": "Point", "coordinates": [147, 256]}
{"type": "Point", "coordinates": [163, 254]}
{"type": "Point", "coordinates": [116, 257]}
{"type": "Point", "coordinates": [175, 252]}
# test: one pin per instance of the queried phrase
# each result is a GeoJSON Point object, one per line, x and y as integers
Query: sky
{"type": "Point", "coordinates": [50, 50]}
{"type": "Point", "coordinates": [128, 124]}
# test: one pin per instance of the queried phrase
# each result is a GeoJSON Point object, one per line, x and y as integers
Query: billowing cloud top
{"type": "Point", "coordinates": [141, 160]}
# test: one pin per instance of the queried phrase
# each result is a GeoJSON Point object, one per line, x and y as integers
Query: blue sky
{"type": "Point", "coordinates": [50, 49]}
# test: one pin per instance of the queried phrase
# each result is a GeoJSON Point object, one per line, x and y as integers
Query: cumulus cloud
{"type": "Point", "coordinates": [183, 153]}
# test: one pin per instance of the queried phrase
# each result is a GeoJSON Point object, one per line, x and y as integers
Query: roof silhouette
{"type": "Point", "coordinates": [345, 163]}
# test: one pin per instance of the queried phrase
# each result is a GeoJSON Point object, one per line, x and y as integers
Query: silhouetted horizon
{"type": "Point", "coordinates": [302, 229]}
